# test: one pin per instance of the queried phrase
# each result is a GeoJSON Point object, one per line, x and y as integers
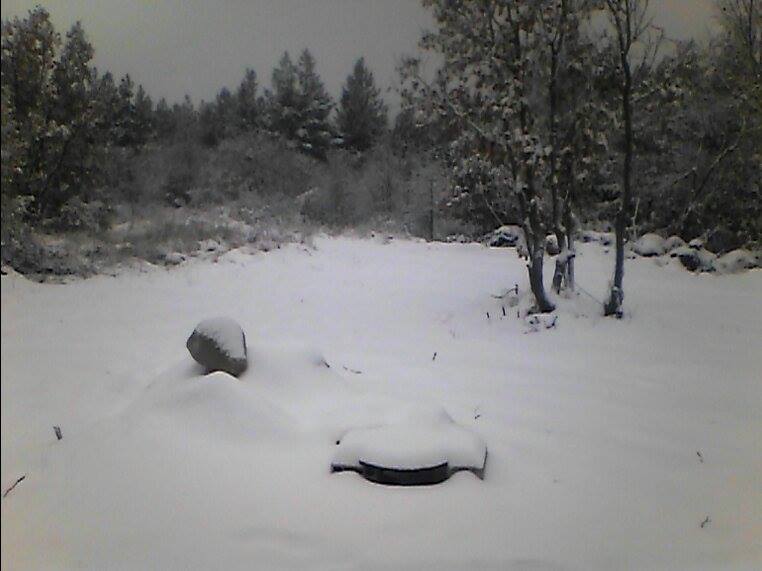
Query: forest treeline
{"type": "Point", "coordinates": [552, 115]}
{"type": "Point", "coordinates": [558, 110]}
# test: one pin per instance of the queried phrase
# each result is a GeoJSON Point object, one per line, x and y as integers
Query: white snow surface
{"type": "Point", "coordinates": [610, 441]}
{"type": "Point", "coordinates": [226, 333]}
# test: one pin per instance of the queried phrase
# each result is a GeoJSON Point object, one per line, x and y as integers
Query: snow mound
{"type": "Point", "coordinates": [650, 245]}
{"type": "Point", "coordinates": [217, 404]}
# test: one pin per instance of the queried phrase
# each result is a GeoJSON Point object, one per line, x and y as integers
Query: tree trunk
{"type": "Point", "coordinates": [558, 230]}
{"type": "Point", "coordinates": [534, 234]}
{"type": "Point", "coordinates": [616, 297]}
{"type": "Point", "coordinates": [570, 229]}
{"type": "Point", "coordinates": [544, 305]}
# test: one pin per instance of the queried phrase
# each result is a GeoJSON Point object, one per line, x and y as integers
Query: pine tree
{"type": "Point", "coordinates": [29, 49]}
{"type": "Point", "coordinates": [163, 121]}
{"type": "Point", "coordinates": [249, 104]}
{"type": "Point", "coordinates": [315, 106]}
{"type": "Point", "coordinates": [362, 114]}
{"type": "Point", "coordinates": [73, 153]}
{"type": "Point", "coordinates": [283, 101]}
{"type": "Point", "coordinates": [144, 125]}
{"type": "Point", "coordinates": [125, 119]}
{"type": "Point", "coordinates": [299, 106]}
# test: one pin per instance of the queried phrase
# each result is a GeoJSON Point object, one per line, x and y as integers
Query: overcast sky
{"type": "Point", "coordinates": [174, 47]}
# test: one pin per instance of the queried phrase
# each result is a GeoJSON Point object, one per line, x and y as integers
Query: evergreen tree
{"type": "Point", "coordinates": [74, 155]}
{"type": "Point", "coordinates": [106, 100]}
{"type": "Point", "coordinates": [315, 107]}
{"type": "Point", "coordinates": [144, 122]}
{"type": "Point", "coordinates": [283, 101]}
{"type": "Point", "coordinates": [125, 119]}
{"type": "Point", "coordinates": [362, 114]}
{"type": "Point", "coordinates": [299, 106]}
{"type": "Point", "coordinates": [163, 120]}
{"type": "Point", "coordinates": [29, 49]}
{"type": "Point", "coordinates": [248, 102]}
{"type": "Point", "coordinates": [185, 117]}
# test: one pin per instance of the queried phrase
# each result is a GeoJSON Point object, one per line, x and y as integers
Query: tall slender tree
{"type": "Point", "coordinates": [315, 106]}
{"type": "Point", "coordinates": [248, 102]}
{"type": "Point", "coordinates": [630, 20]}
{"type": "Point", "coordinates": [362, 113]}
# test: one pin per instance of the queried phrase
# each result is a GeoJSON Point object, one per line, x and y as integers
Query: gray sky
{"type": "Point", "coordinates": [175, 47]}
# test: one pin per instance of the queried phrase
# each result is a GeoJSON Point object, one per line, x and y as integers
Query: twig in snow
{"type": "Point", "coordinates": [503, 308]}
{"type": "Point", "coordinates": [700, 456]}
{"type": "Point", "coordinates": [705, 522]}
{"type": "Point", "coordinates": [16, 483]}
{"type": "Point", "coordinates": [434, 357]}
{"type": "Point", "coordinates": [354, 371]}
{"type": "Point", "coordinates": [488, 315]}
{"type": "Point", "coordinates": [57, 430]}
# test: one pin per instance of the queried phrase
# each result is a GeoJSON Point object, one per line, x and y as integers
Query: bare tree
{"type": "Point", "coordinates": [742, 20]}
{"type": "Point", "coordinates": [631, 24]}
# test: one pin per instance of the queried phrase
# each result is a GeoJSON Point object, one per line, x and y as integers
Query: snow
{"type": "Point", "coordinates": [610, 441]}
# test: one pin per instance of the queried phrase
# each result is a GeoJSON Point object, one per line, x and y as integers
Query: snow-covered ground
{"type": "Point", "coordinates": [610, 442]}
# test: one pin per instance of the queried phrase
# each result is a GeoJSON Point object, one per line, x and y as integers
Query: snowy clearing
{"type": "Point", "coordinates": [630, 444]}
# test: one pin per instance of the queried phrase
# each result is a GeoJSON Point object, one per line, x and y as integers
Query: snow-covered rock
{"type": "Point", "coordinates": [210, 245]}
{"type": "Point", "coordinates": [551, 245]}
{"type": "Point", "coordinates": [736, 261]}
{"type": "Point", "coordinates": [174, 258]}
{"type": "Point", "coordinates": [674, 242]}
{"type": "Point", "coordinates": [219, 344]}
{"type": "Point", "coordinates": [603, 238]}
{"type": "Point", "coordinates": [696, 244]}
{"type": "Point", "coordinates": [506, 236]}
{"type": "Point", "coordinates": [695, 260]}
{"type": "Point", "coordinates": [650, 245]}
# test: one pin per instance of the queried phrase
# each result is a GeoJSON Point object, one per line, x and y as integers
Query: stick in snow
{"type": "Point", "coordinates": [16, 483]}
{"type": "Point", "coordinates": [700, 456]}
{"type": "Point", "coordinates": [705, 522]}
{"type": "Point", "coordinates": [355, 371]}
{"type": "Point", "coordinates": [57, 430]}
{"type": "Point", "coordinates": [434, 357]}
